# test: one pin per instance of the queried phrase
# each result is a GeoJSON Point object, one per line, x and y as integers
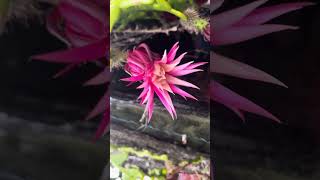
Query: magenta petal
{"type": "Point", "coordinates": [52, 20]}
{"type": "Point", "coordinates": [150, 104]}
{"type": "Point", "coordinates": [229, 98]}
{"type": "Point", "coordinates": [65, 70]}
{"type": "Point", "coordinates": [133, 78]}
{"type": "Point", "coordinates": [89, 52]}
{"type": "Point", "coordinates": [227, 66]}
{"type": "Point", "coordinates": [100, 107]}
{"type": "Point", "coordinates": [195, 65]}
{"type": "Point", "coordinates": [184, 72]}
{"type": "Point", "coordinates": [80, 10]}
{"type": "Point", "coordinates": [228, 18]}
{"type": "Point", "coordinates": [101, 78]}
{"type": "Point", "coordinates": [177, 60]}
{"type": "Point", "coordinates": [164, 101]}
{"type": "Point", "coordinates": [172, 53]}
{"type": "Point", "coordinates": [243, 33]}
{"type": "Point", "coordinates": [176, 81]}
{"type": "Point", "coordinates": [181, 92]}
{"type": "Point", "coordinates": [263, 15]}
{"type": "Point", "coordinates": [215, 4]}
{"type": "Point", "coordinates": [103, 126]}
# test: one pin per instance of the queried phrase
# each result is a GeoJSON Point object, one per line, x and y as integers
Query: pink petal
{"type": "Point", "coordinates": [228, 18]}
{"type": "Point", "coordinates": [224, 65]}
{"type": "Point", "coordinates": [100, 107]}
{"type": "Point", "coordinates": [150, 104]}
{"type": "Point", "coordinates": [103, 126]}
{"type": "Point", "coordinates": [263, 15]}
{"type": "Point", "coordinates": [229, 98]}
{"type": "Point", "coordinates": [151, 55]}
{"type": "Point", "coordinates": [65, 70]}
{"type": "Point", "coordinates": [89, 16]}
{"type": "Point", "coordinates": [174, 80]}
{"type": "Point", "coordinates": [101, 78]}
{"type": "Point", "coordinates": [89, 52]}
{"type": "Point", "coordinates": [181, 92]}
{"type": "Point", "coordinates": [215, 4]}
{"type": "Point", "coordinates": [133, 78]}
{"type": "Point", "coordinates": [173, 51]}
{"type": "Point", "coordinates": [181, 67]}
{"type": "Point", "coordinates": [165, 102]}
{"type": "Point", "coordinates": [76, 38]}
{"type": "Point", "coordinates": [184, 72]}
{"type": "Point", "coordinates": [52, 21]}
{"type": "Point", "coordinates": [195, 65]}
{"type": "Point", "coordinates": [243, 33]}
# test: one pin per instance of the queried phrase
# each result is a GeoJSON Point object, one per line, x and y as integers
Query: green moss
{"type": "Point", "coordinates": [120, 154]}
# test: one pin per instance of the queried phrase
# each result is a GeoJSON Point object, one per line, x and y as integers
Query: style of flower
{"type": "Point", "coordinates": [238, 25]}
{"type": "Point", "coordinates": [83, 26]}
{"type": "Point", "coordinates": [158, 75]}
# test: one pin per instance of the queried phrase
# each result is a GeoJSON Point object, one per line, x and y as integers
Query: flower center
{"type": "Point", "coordinates": [158, 73]}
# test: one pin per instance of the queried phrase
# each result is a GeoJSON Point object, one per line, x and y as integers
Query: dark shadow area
{"type": "Point", "coordinates": [259, 148]}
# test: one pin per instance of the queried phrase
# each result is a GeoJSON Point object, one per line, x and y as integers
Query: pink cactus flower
{"type": "Point", "coordinates": [83, 26]}
{"type": "Point", "coordinates": [238, 25]}
{"type": "Point", "coordinates": [158, 75]}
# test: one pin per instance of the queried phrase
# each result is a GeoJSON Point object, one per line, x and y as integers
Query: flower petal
{"type": "Point", "coordinates": [227, 66]}
{"type": "Point", "coordinates": [228, 18]}
{"type": "Point", "coordinates": [101, 78]}
{"type": "Point", "coordinates": [229, 98]}
{"type": "Point", "coordinates": [89, 52]}
{"type": "Point", "coordinates": [173, 51]}
{"type": "Point", "coordinates": [100, 107]}
{"type": "Point", "coordinates": [238, 34]}
{"type": "Point", "coordinates": [181, 92]}
{"type": "Point", "coordinates": [265, 14]}
{"type": "Point", "coordinates": [176, 81]}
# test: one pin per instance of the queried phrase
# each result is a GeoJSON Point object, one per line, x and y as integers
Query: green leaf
{"type": "Point", "coordinates": [117, 158]}
{"type": "Point", "coordinates": [132, 173]}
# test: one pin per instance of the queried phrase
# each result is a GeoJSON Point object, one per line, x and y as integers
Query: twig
{"type": "Point", "coordinates": [150, 31]}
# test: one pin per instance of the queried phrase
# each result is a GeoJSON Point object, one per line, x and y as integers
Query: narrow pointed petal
{"type": "Point", "coordinates": [233, 16]}
{"type": "Point", "coordinates": [227, 66]}
{"type": "Point", "coordinates": [176, 81]}
{"type": "Point", "coordinates": [133, 78]}
{"type": "Point", "coordinates": [146, 98]}
{"type": "Point", "coordinates": [182, 93]}
{"type": "Point", "coordinates": [184, 72]}
{"type": "Point", "coordinates": [164, 57]}
{"type": "Point", "coordinates": [227, 97]}
{"type": "Point", "coordinates": [236, 111]}
{"type": "Point", "coordinates": [164, 101]}
{"type": "Point", "coordinates": [53, 19]}
{"type": "Point", "coordinates": [172, 53]}
{"type": "Point", "coordinates": [169, 100]}
{"type": "Point", "coordinates": [100, 107]}
{"type": "Point", "coordinates": [65, 70]}
{"type": "Point", "coordinates": [150, 104]}
{"type": "Point", "coordinates": [215, 4]}
{"type": "Point", "coordinates": [101, 78]}
{"type": "Point", "coordinates": [238, 34]}
{"type": "Point", "coordinates": [84, 21]}
{"type": "Point", "coordinates": [89, 52]}
{"type": "Point", "coordinates": [146, 48]}
{"type": "Point", "coordinates": [263, 15]}
{"type": "Point", "coordinates": [195, 65]}
{"type": "Point", "coordinates": [103, 126]}
{"type": "Point", "coordinates": [143, 93]}
{"type": "Point", "coordinates": [173, 64]}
